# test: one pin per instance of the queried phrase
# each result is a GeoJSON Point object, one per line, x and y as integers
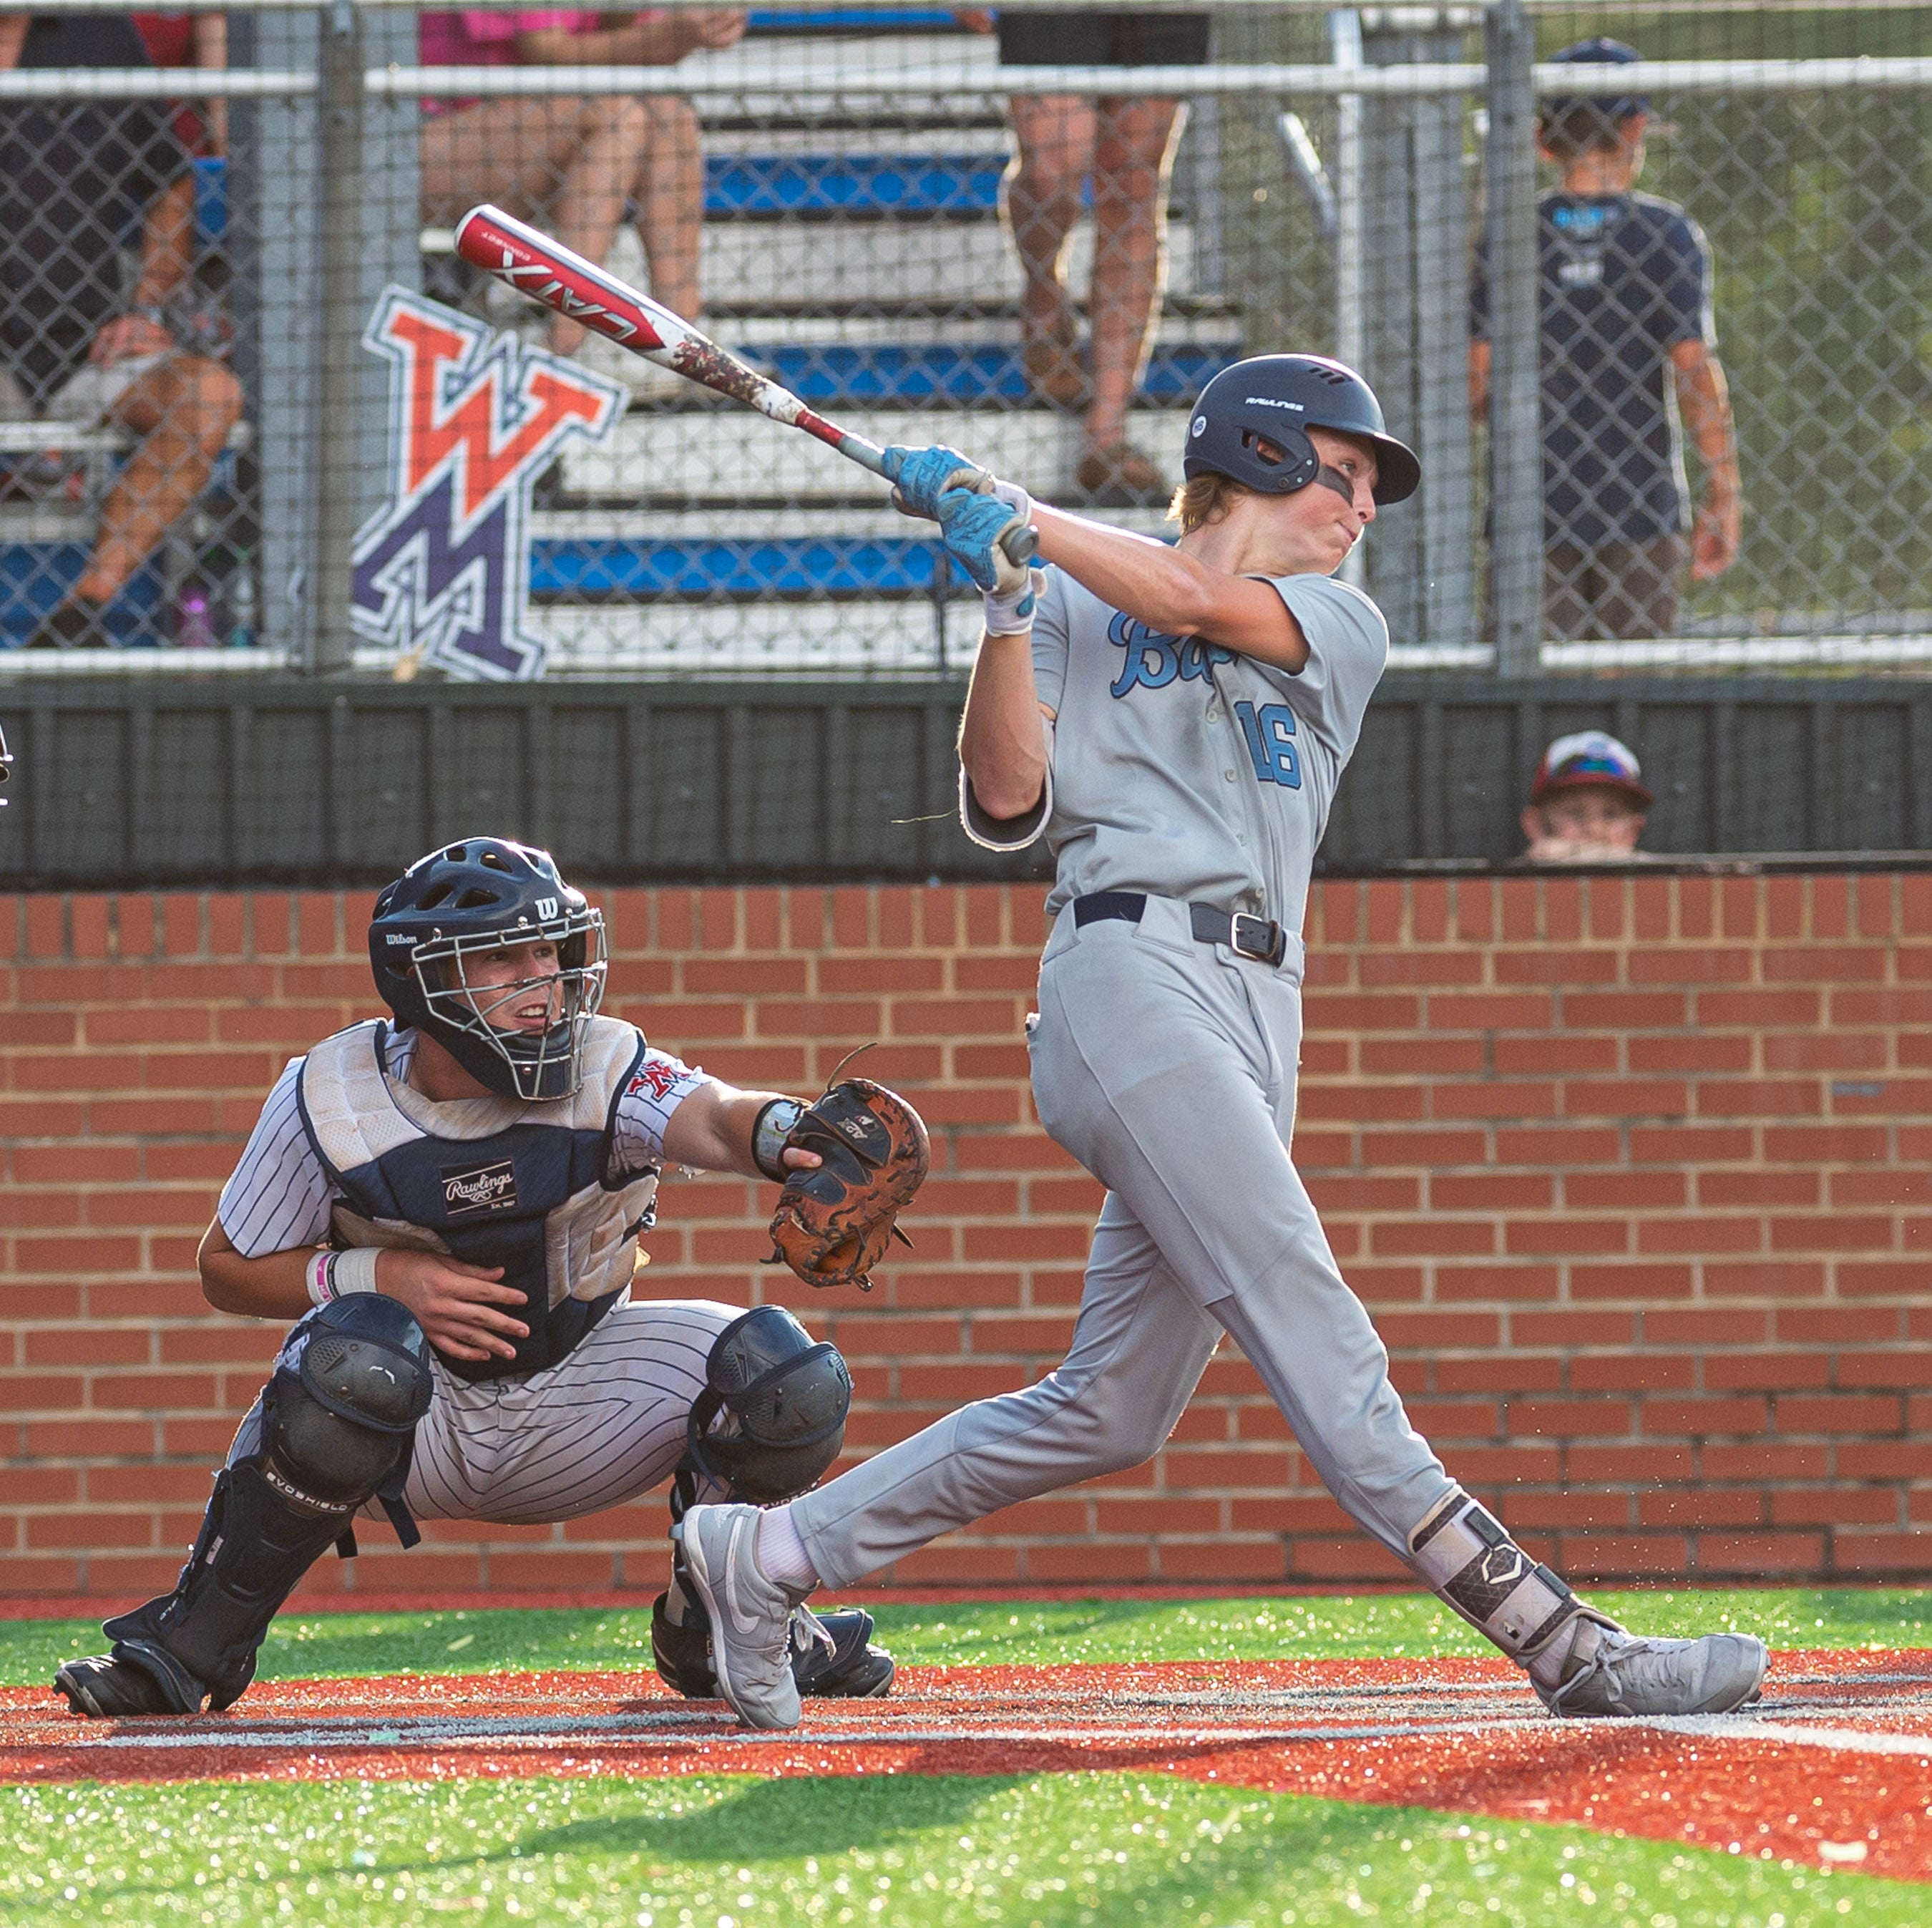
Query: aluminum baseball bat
{"type": "Point", "coordinates": [547, 272]}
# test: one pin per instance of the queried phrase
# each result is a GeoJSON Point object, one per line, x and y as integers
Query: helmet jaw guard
{"type": "Point", "coordinates": [460, 903]}
{"type": "Point", "coordinates": [1278, 398]}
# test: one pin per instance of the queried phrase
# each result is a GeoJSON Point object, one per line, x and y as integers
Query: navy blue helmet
{"type": "Point", "coordinates": [1274, 399]}
{"type": "Point", "coordinates": [454, 907]}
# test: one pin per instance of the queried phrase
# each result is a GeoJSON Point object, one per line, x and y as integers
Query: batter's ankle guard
{"type": "Point", "coordinates": [1469, 1561]}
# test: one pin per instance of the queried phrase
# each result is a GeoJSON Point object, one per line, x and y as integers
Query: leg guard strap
{"type": "Point", "coordinates": [1469, 1561]}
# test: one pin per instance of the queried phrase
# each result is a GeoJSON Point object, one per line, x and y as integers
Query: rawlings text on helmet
{"type": "Point", "coordinates": [459, 905]}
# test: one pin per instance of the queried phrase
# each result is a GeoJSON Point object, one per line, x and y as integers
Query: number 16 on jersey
{"type": "Point", "coordinates": [1269, 732]}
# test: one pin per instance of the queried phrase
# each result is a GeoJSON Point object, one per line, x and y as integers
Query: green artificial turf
{"type": "Point", "coordinates": [995, 1632]}
{"type": "Point", "coordinates": [1054, 1851]}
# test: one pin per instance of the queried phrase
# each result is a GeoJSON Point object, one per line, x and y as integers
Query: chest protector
{"type": "Point", "coordinates": [492, 1181]}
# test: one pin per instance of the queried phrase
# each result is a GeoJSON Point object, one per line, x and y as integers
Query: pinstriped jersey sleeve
{"type": "Point", "coordinates": [278, 1197]}
{"type": "Point", "coordinates": [659, 1084]}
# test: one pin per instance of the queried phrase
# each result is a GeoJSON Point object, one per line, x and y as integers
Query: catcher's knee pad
{"type": "Point", "coordinates": [349, 1386]}
{"type": "Point", "coordinates": [771, 1416]}
{"type": "Point", "coordinates": [349, 1389]}
{"type": "Point", "coordinates": [1469, 1561]}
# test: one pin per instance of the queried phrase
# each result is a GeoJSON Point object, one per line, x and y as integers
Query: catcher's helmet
{"type": "Point", "coordinates": [1277, 398]}
{"type": "Point", "coordinates": [486, 893]}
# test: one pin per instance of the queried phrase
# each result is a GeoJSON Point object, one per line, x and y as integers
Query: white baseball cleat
{"type": "Point", "coordinates": [750, 1615]}
{"type": "Point", "coordinates": [1611, 1672]}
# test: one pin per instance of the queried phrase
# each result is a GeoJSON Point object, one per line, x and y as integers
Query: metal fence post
{"type": "Point", "coordinates": [391, 203]}
{"type": "Point", "coordinates": [1417, 346]}
{"type": "Point", "coordinates": [339, 436]}
{"type": "Point", "coordinates": [1443, 436]}
{"type": "Point", "coordinates": [1516, 445]}
{"type": "Point", "coordinates": [277, 151]}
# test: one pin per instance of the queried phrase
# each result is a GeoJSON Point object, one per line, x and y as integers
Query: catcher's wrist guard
{"type": "Point", "coordinates": [834, 1221]}
{"type": "Point", "coordinates": [771, 1132]}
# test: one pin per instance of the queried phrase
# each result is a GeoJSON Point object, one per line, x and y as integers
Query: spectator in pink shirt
{"type": "Point", "coordinates": [572, 161]}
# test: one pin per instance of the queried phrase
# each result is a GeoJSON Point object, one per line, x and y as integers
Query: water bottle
{"type": "Point", "coordinates": [242, 604]}
{"type": "Point", "coordinates": [193, 628]}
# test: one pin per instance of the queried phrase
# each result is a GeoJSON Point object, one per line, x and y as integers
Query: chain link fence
{"type": "Point", "coordinates": [1647, 288]}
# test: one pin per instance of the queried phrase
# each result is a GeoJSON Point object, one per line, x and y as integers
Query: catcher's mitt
{"type": "Point", "coordinates": [834, 1223]}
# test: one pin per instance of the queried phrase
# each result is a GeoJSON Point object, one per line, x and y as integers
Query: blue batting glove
{"type": "Point", "coordinates": [971, 525]}
{"type": "Point", "coordinates": [920, 474]}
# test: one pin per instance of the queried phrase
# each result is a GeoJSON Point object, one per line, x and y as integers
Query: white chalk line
{"type": "Point", "coordinates": [1836, 1739]}
{"type": "Point", "coordinates": [689, 1729]}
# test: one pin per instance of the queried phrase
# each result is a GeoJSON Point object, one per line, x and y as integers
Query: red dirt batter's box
{"type": "Point", "coordinates": [1836, 1769]}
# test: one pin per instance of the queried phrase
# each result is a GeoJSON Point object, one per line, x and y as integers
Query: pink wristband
{"type": "Point", "coordinates": [321, 1287]}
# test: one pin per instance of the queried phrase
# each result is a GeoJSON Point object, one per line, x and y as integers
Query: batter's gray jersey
{"type": "Point", "coordinates": [1182, 768]}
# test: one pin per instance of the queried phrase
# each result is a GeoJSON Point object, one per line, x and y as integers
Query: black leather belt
{"type": "Point", "coordinates": [1260, 939]}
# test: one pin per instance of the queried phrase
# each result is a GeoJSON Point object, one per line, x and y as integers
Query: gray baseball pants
{"type": "Point", "coordinates": [1167, 1067]}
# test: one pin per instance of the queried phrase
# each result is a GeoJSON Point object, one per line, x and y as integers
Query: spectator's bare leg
{"type": "Point", "coordinates": [593, 170]}
{"type": "Point", "coordinates": [1056, 133]}
{"type": "Point", "coordinates": [1568, 612]}
{"type": "Point", "coordinates": [183, 411]}
{"type": "Point", "coordinates": [568, 161]}
{"type": "Point", "coordinates": [1644, 582]}
{"type": "Point", "coordinates": [1133, 157]}
{"type": "Point", "coordinates": [668, 189]}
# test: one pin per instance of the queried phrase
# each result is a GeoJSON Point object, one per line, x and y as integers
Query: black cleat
{"type": "Point", "coordinates": [832, 1655]}
{"type": "Point", "coordinates": [111, 1686]}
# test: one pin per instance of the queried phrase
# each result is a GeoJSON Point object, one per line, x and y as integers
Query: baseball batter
{"type": "Point", "coordinates": [1174, 721]}
{"type": "Point", "coordinates": [452, 1204]}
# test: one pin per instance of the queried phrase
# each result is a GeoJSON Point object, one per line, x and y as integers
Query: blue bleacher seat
{"type": "Point", "coordinates": [592, 568]}
{"type": "Point", "coordinates": [899, 186]}
{"type": "Point", "coordinates": [34, 577]}
{"type": "Point", "coordinates": [921, 373]}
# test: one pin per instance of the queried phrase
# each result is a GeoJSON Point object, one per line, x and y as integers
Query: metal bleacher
{"type": "Point", "coordinates": [854, 253]}
{"type": "Point", "coordinates": [853, 248]}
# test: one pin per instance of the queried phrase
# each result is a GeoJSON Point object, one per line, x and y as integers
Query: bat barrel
{"type": "Point", "coordinates": [547, 271]}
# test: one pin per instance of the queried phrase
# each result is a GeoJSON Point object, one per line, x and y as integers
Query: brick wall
{"type": "Point", "coordinates": [1637, 1175]}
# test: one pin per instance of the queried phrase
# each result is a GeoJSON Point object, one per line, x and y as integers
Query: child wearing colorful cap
{"type": "Point", "coordinates": [1587, 803]}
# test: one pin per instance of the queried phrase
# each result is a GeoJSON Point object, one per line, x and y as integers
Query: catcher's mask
{"type": "Point", "coordinates": [460, 904]}
{"type": "Point", "coordinates": [771, 1416]}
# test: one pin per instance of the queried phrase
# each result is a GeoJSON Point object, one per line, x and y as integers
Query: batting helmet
{"type": "Point", "coordinates": [486, 893]}
{"type": "Point", "coordinates": [1277, 399]}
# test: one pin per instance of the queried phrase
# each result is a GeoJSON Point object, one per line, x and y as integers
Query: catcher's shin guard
{"type": "Point", "coordinates": [200, 1641]}
{"type": "Point", "coordinates": [1468, 1560]}
{"type": "Point", "coordinates": [349, 1386]}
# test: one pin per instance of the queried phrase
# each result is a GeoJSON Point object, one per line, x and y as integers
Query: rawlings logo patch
{"type": "Point", "coordinates": [488, 1188]}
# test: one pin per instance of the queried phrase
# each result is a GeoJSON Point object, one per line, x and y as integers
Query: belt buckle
{"type": "Point", "coordinates": [1263, 946]}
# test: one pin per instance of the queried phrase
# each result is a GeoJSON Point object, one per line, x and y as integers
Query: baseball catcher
{"type": "Point", "coordinates": [448, 1205]}
{"type": "Point", "coordinates": [1174, 721]}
